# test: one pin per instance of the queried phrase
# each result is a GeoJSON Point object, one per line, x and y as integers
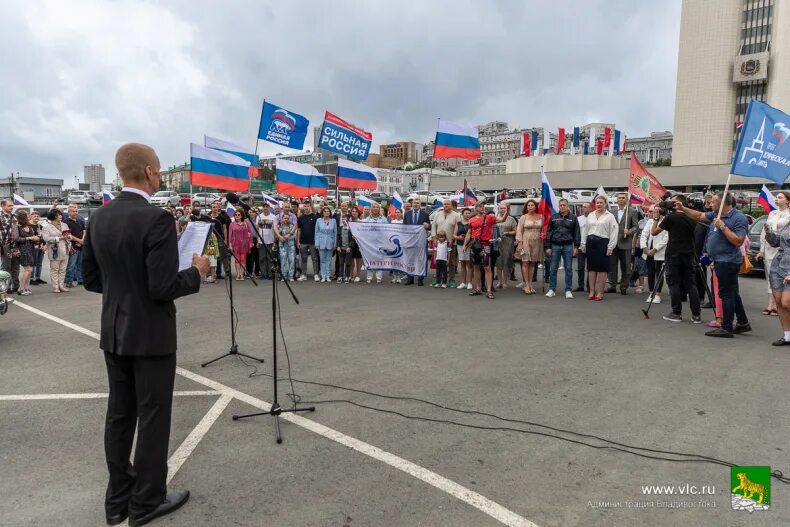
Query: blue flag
{"type": "Point", "coordinates": [576, 137]}
{"type": "Point", "coordinates": [763, 147]}
{"type": "Point", "coordinates": [282, 127]}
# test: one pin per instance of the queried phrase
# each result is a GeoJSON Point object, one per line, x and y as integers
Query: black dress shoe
{"type": "Point", "coordinates": [780, 342]}
{"type": "Point", "coordinates": [116, 519]}
{"type": "Point", "coordinates": [623, 292]}
{"type": "Point", "coordinates": [707, 305]}
{"type": "Point", "coordinates": [409, 281]}
{"type": "Point", "coordinates": [720, 333]}
{"type": "Point", "coordinates": [41, 281]}
{"type": "Point", "coordinates": [174, 500]}
{"type": "Point", "coordinates": [741, 328]}
{"type": "Point", "coordinates": [420, 282]}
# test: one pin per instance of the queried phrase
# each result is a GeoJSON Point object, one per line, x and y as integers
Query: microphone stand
{"type": "Point", "coordinates": [275, 409]}
{"type": "Point", "coordinates": [234, 348]}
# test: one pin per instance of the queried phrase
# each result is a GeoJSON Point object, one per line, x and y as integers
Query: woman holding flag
{"type": "Point", "coordinates": [776, 221]}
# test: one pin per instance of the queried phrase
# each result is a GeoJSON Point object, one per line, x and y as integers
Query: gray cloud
{"type": "Point", "coordinates": [81, 78]}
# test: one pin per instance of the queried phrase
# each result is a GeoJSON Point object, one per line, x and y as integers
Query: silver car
{"type": "Point", "coordinates": [163, 198]}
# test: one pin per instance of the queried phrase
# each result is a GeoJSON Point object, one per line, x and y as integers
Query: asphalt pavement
{"type": "Point", "coordinates": [572, 369]}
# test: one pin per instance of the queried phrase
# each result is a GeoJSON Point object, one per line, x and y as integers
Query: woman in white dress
{"type": "Point", "coordinates": [776, 221]}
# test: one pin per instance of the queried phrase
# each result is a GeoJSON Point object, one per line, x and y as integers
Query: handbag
{"type": "Point", "coordinates": [476, 244]}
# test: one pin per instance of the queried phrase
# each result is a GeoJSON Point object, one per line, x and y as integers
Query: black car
{"type": "Point", "coordinates": [754, 240]}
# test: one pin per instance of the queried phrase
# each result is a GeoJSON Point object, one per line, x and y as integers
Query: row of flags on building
{"type": "Point", "coordinates": [613, 143]}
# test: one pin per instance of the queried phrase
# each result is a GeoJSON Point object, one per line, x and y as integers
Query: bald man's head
{"type": "Point", "coordinates": [138, 165]}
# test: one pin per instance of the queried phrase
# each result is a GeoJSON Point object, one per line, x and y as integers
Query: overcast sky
{"type": "Point", "coordinates": [82, 77]}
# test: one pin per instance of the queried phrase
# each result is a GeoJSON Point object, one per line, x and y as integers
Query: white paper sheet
{"type": "Point", "coordinates": [192, 241]}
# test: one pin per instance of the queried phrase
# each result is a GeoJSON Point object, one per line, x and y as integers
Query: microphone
{"type": "Point", "coordinates": [233, 199]}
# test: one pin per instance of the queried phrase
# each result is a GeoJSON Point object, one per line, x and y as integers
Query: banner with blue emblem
{"type": "Point", "coordinates": [344, 138]}
{"type": "Point", "coordinates": [763, 147]}
{"type": "Point", "coordinates": [282, 127]}
{"type": "Point", "coordinates": [392, 246]}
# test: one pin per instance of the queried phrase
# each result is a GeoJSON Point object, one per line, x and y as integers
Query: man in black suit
{"type": "Point", "coordinates": [131, 258]}
{"type": "Point", "coordinates": [627, 221]}
{"type": "Point", "coordinates": [417, 216]}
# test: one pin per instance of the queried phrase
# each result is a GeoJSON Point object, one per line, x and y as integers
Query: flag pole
{"type": "Point", "coordinates": [433, 157]}
{"type": "Point", "coordinates": [724, 195]}
{"type": "Point", "coordinates": [257, 140]}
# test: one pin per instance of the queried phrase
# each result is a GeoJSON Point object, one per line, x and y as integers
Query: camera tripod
{"type": "Point", "coordinates": [660, 280]}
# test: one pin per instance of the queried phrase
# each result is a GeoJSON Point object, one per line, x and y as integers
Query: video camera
{"type": "Point", "coordinates": [667, 206]}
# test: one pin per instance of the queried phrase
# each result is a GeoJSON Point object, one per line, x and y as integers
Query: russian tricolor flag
{"type": "Point", "coordinates": [19, 200]}
{"type": "Point", "coordinates": [396, 202]}
{"type": "Point", "coordinates": [548, 202]}
{"type": "Point", "coordinates": [766, 200]}
{"type": "Point", "coordinates": [455, 140]}
{"type": "Point", "coordinates": [468, 196]}
{"type": "Point", "coordinates": [355, 176]}
{"type": "Point", "coordinates": [236, 150]}
{"type": "Point", "coordinates": [299, 180]}
{"type": "Point", "coordinates": [220, 170]}
{"type": "Point", "coordinates": [106, 197]}
{"type": "Point", "coordinates": [636, 200]}
{"type": "Point", "coordinates": [270, 200]}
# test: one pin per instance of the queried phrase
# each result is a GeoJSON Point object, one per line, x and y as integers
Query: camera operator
{"type": "Point", "coordinates": [723, 245]}
{"type": "Point", "coordinates": [700, 233]}
{"type": "Point", "coordinates": [679, 257]}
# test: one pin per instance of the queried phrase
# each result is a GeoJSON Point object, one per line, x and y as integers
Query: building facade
{"type": "Point", "coordinates": [31, 188]}
{"type": "Point", "coordinates": [94, 176]}
{"type": "Point", "coordinates": [308, 156]}
{"type": "Point", "coordinates": [731, 51]}
{"type": "Point", "coordinates": [173, 177]}
{"type": "Point", "coordinates": [483, 170]}
{"type": "Point", "coordinates": [389, 181]}
{"type": "Point", "coordinates": [656, 147]}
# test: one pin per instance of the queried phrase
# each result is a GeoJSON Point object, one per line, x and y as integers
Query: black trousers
{"type": "Point", "coordinates": [253, 263]}
{"type": "Point", "coordinates": [623, 258]}
{"type": "Point", "coordinates": [679, 273]}
{"type": "Point", "coordinates": [654, 268]}
{"type": "Point", "coordinates": [581, 263]}
{"type": "Point", "coordinates": [141, 396]}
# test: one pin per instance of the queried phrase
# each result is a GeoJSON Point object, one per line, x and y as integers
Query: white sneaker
{"type": "Point", "coordinates": [357, 279]}
{"type": "Point", "coordinates": [568, 294]}
{"type": "Point", "coordinates": [340, 280]}
{"type": "Point", "coordinates": [316, 278]}
{"type": "Point", "coordinates": [435, 285]}
{"type": "Point", "coordinates": [656, 299]}
{"type": "Point", "coordinates": [462, 286]}
{"type": "Point", "coordinates": [469, 286]}
{"type": "Point", "coordinates": [639, 290]}
{"type": "Point", "coordinates": [444, 286]}
{"type": "Point", "coordinates": [290, 279]}
{"type": "Point", "coordinates": [550, 294]}
{"type": "Point", "coordinates": [649, 299]}
{"type": "Point", "coordinates": [378, 280]}
{"type": "Point", "coordinates": [302, 278]}
{"type": "Point", "coordinates": [561, 267]}
{"type": "Point", "coordinates": [398, 281]}
{"type": "Point", "coordinates": [392, 281]}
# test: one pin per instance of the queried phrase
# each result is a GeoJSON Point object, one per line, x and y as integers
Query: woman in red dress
{"type": "Point", "coordinates": [240, 242]}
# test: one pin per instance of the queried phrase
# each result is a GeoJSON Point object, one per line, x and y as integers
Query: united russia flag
{"type": "Point", "coordinates": [299, 180]}
{"type": "Point", "coordinates": [766, 200]}
{"type": "Point", "coordinates": [220, 170]}
{"type": "Point", "coordinates": [355, 176]}
{"type": "Point", "coordinates": [455, 140]}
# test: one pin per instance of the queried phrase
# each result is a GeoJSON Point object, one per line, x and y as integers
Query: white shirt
{"type": "Point", "coordinates": [441, 251]}
{"type": "Point", "coordinates": [620, 213]}
{"type": "Point", "coordinates": [264, 223]}
{"type": "Point", "coordinates": [603, 227]}
{"type": "Point", "coordinates": [139, 192]}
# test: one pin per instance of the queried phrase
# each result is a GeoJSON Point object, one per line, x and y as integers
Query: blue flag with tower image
{"type": "Point", "coordinates": [763, 148]}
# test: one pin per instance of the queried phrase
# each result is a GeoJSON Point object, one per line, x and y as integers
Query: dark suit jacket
{"type": "Point", "coordinates": [624, 242]}
{"type": "Point", "coordinates": [131, 258]}
{"type": "Point", "coordinates": [408, 219]}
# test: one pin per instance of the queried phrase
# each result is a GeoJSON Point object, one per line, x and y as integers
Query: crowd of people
{"type": "Point", "coordinates": [472, 248]}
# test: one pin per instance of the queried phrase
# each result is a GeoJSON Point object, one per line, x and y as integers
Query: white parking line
{"type": "Point", "coordinates": [56, 396]}
{"type": "Point", "coordinates": [476, 500]}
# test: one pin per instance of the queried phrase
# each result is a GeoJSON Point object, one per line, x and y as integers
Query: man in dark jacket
{"type": "Point", "coordinates": [627, 219]}
{"type": "Point", "coordinates": [417, 216]}
{"type": "Point", "coordinates": [563, 237]}
{"type": "Point", "coordinates": [131, 258]}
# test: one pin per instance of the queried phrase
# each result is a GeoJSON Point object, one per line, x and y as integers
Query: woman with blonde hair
{"type": "Point", "coordinates": [599, 237]}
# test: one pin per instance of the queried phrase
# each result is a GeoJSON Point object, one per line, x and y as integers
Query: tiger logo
{"type": "Point", "coordinates": [749, 488]}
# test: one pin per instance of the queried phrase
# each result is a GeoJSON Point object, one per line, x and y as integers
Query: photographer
{"type": "Point", "coordinates": [679, 261]}
{"type": "Point", "coordinates": [726, 234]}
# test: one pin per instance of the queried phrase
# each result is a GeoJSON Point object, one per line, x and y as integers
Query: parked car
{"type": "Point", "coordinates": [80, 197]}
{"type": "Point", "coordinates": [754, 244]}
{"type": "Point", "coordinates": [163, 198]}
{"type": "Point", "coordinates": [186, 199]}
{"type": "Point", "coordinates": [205, 198]}
{"type": "Point", "coordinates": [95, 198]}
{"type": "Point", "coordinates": [378, 196]}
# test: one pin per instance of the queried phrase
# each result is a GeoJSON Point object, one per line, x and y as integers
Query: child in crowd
{"type": "Point", "coordinates": [287, 232]}
{"type": "Point", "coordinates": [442, 251]}
{"type": "Point", "coordinates": [212, 249]}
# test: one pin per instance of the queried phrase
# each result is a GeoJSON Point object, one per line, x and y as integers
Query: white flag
{"type": "Point", "coordinates": [392, 246]}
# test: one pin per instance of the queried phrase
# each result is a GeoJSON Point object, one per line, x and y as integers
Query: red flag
{"type": "Point", "coordinates": [625, 145]}
{"type": "Point", "coordinates": [560, 140]}
{"type": "Point", "coordinates": [526, 142]}
{"type": "Point", "coordinates": [600, 147]}
{"type": "Point", "coordinates": [607, 138]}
{"type": "Point", "coordinates": [643, 184]}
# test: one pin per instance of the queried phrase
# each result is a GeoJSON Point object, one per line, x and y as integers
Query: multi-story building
{"type": "Point", "coordinates": [730, 51]}
{"type": "Point", "coordinates": [173, 177]}
{"type": "Point", "coordinates": [656, 147]}
{"type": "Point", "coordinates": [483, 170]}
{"type": "Point", "coordinates": [94, 176]}
{"type": "Point", "coordinates": [389, 181]}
